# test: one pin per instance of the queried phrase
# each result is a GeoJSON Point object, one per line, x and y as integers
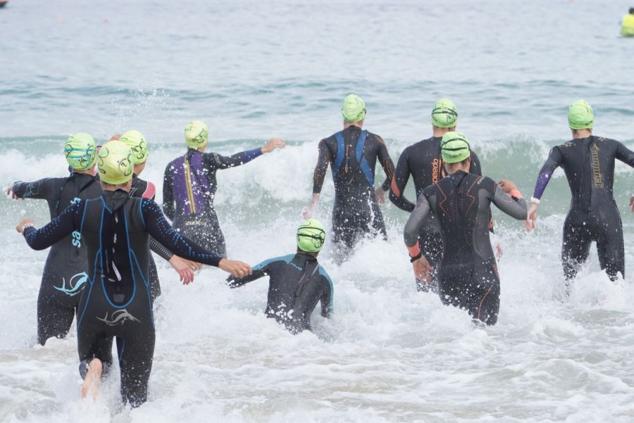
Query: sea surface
{"type": "Point", "coordinates": [257, 69]}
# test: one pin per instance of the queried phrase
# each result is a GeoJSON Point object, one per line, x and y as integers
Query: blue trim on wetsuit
{"type": "Point", "coordinates": [341, 146]}
{"type": "Point", "coordinates": [287, 259]}
{"type": "Point", "coordinates": [323, 273]}
{"type": "Point", "coordinates": [363, 162]}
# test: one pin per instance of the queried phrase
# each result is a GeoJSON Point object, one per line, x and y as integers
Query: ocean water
{"type": "Point", "coordinates": [256, 69]}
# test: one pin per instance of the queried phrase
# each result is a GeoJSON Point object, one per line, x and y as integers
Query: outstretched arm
{"type": "Point", "coordinates": [624, 154]}
{"type": "Point", "coordinates": [546, 172]}
{"type": "Point", "coordinates": [399, 182]}
{"type": "Point", "coordinates": [508, 199]}
{"type": "Point", "coordinates": [55, 230]}
{"type": "Point", "coordinates": [223, 162]}
{"type": "Point", "coordinates": [259, 270]}
{"type": "Point", "coordinates": [37, 189]}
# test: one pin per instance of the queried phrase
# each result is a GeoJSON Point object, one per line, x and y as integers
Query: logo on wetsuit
{"type": "Point", "coordinates": [436, 170]}
{"type": "Point", "coordinates": [118, 317]}
{"type": "Point", "coordinates": [75, 284]}
{"type": "Point", "coordinates": [597, 178]}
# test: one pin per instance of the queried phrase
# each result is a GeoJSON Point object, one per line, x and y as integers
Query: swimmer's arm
{"type": "Point", "coordinates": [327, 297]}
{"type": "Point", "coordinates": [168, 192]}
{"type": "Point", "coordinates": [160, 229]}
{"type": "Point", "coordinates": [323, 161]}
{"type": "Point", "coordinates": [624, 154]}
{"type": "Point", "coordinates": [553, 162]}
{"type": "Point", "coordinates": [259, 270]}
{"type": "Point", "coordinates": [514, 206]}
{"type": "Point", "coordinates": [218, 161]}
{"type": "Point", "coordinates": [37, 189]}
{"type": "Point", "coordinates": [414, 224]}
{"type": "Point", "coordinates": [386, 161]}
{"type": "Point", "coordinates": [160, 249]}
{"type": "Point", "coordinates": [476, 167]}
{"type": "Point", "coordinates": [399, 182]}
{"type": "Point", "coordinates": [56, 229]}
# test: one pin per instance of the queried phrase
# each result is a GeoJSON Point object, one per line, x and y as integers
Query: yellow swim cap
{"type": "Point", "coordinates": [196, 134]}
{"type": "Point", "coordinates": [114, 162]}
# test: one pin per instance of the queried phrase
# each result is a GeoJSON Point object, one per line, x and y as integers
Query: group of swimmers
{"type": "Point", "coordinates": [105, 222]}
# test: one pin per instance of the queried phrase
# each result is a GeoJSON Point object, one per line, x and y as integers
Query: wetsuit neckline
{"type": "Point", "coordinates": [115, 199]}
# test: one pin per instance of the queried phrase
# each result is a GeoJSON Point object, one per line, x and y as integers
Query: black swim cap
{"type": "Point", "coordinates": [631, 10]}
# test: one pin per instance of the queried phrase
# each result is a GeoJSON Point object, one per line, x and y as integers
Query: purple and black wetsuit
{"type": "Point", "coordinates": [189, 188]}
{"type": "Point", "coordinates": [593, 216]}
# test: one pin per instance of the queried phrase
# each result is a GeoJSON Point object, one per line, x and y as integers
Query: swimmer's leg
{"type": "Point", "coordinates": [53, 318]}
{"type": "Point", "coordinates": [135, 361]}
{"type": "Point", "coordinates": [611, 250]}
{"type": "Point", "coordinates": [575, 249]}
{"type": "Point", "coordinates": [95, 363]}
{"type": "Point", "coordinates": [92, 379]}
{"type": "Point", "coordinates": [485, 299]}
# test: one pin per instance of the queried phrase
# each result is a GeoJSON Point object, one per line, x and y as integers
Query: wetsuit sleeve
{"type": "Point", "coordinates": [386, 161]}
{"type": "Point", "coordinates": [476, 167]}
{"type": "Point", "coordinates": [38, 189]}
{"type": "Point", "coordinates": [514, 207]}
{"type": "Point", "coordinates": [159, 249]}
{"type": "Point", "coordinates": [324, 159]}
{"type": "Point", "coordinates": [160, 229]}
{"type": "Point", "coordinates": [168, 192]}
{"type": "Point", "coordinates": [259, 270]}
{"type": "Point", "coordinates": [218, 161]}
{"type": "Point", "coordinates": [399, 182]}
{"type": "Point", "coordinates": [415, 221]}
{"type": "Point", "coordinates": [552, 163]}
{"type": "Point", "coordinates": [56, 229]}
{"type": "Point", "coordinates": [624, 154]}
{"type": "Point", "coordinates": [327, 297]}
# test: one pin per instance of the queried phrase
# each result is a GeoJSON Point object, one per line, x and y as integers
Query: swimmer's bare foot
{"type": "Point", "coordinates": [92, 381]}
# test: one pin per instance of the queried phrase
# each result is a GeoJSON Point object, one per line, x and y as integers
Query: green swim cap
{"type": "Point", "coordinates": [444, 114]}
{"type": "Point", "coordinates": [454, 147]}
{"type": "Point", "coordinates": [80, 151]}
{"type": "Point", "coordinates": [311, 236]}
{"type": "Point", "coordinates": [580, 115]}
{"type": "Point", "coordinates": [196, 134]}
{"type": "Point", "coordinates": [136, 141]}
{"type": "Point", "coordinates": [353, 108]}
{"type": "Point", "coordinates": [115, 163]}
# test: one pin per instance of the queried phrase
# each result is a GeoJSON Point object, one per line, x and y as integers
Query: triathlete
{"type": "Point", "coordinates": [423, 162]}
{"type": "Point", "coordinates": [468, 276]}
{"type": "Point", "coordinates": [65, 270]}
{"type": "Point", "coordinates": [115, 228]}
{"type": "Point", "coordinates": [588, 162]}
{"type": "Point", "coordinates": [297, 281]}
{"type": "Point", "coordinates": [146, 189]}
{"type": "Point", "coordinates": [352, 154]}
{"type": "Point", "coordinates": [189, 187]}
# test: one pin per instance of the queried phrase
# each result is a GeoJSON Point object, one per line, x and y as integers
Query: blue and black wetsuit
{"type": "Point", "coordinates": [297, 284]}
{"type": "Point", "coordinates": [468, 276]}
{"type": "Point", "coordinates": [189, 189]}
{"type": "Point", "coordinates": [423, 162]}
{"type": "Point", "coordinates": [352, 155]}
{"type": "Point", "coordinates": [594, 215]}
{"type": "Point", "coordinates": [65, 273]}
{"type": "Point", "coordinates": [117, 301]}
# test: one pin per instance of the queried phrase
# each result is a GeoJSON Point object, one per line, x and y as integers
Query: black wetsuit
{"type": "Point", "coordinates": [189, 189]}
{"type": "Point", "coordinates": [594, 215]}
{"type": "Point", "coordinates": [65, 270]}
{"type": "Point", "coordinates": [117, 302]}
{"type": "Point", "coordinates": [144, 189]}
{"type": "Point", "coordinates": [352, 154]}
{"type": "Point", "coordinates": [423, 161]}
{"type": "Point", "coordinates": [468, 276]}
{"type": "Point", "coordinates": [297, 284]}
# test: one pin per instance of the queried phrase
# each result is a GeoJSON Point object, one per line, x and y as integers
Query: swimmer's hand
{"type": "Point", "coordinates": [237, 269]}
{"type": "Point", "coordinates": [632, 204]}
{"type": "Point", "coordinates": [9, 192]}
{"type": "Point", "coordinates": [422, 269]}
{"type": "Point", "coordinates": [380, 195]}
{"type": "Point", "coordinates": [498, 251]}
{"type": "Point", "coordinates": [531, 218]}
{"type": "Point", "coordinates": [510, 188]}
{"type": "Point", "coordinates": [307, 212]}
{"type": "Point", "coordinates": [24, 223]}
{"type": "Point", "coordinates": [184, 268]}
{"type": "Point", "coordinates": [272, 144]}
